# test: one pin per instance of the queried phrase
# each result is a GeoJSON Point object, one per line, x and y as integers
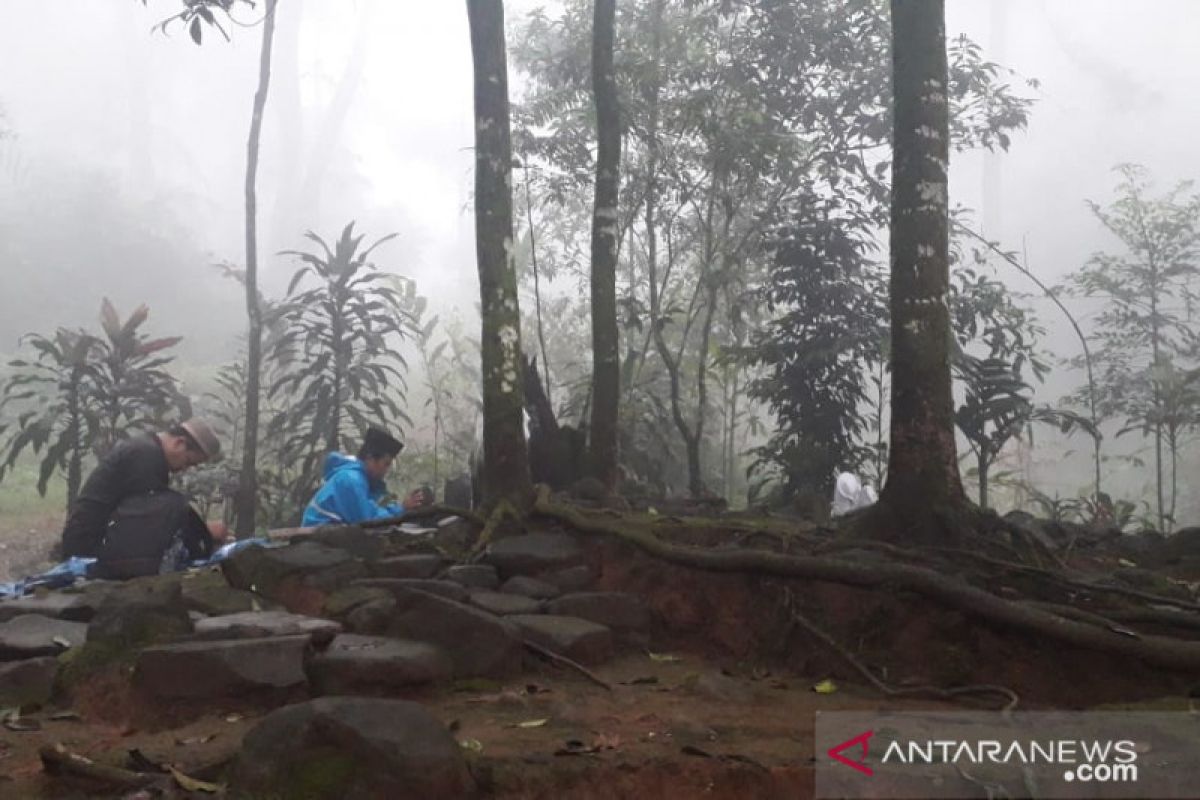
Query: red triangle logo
{"type": "Point", "coordinates": [861, 740]}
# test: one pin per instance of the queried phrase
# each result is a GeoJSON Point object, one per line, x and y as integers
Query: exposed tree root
{"type": "Point", "coordinates": [560, 659]}
{"type": "Point", "coordinates": [57, 760]}
{"type": "Point", "coordinates": [502, 511]}
{"type": "Point", "coordinates": [1011, 698]}
{"type": "Point", "coordinates": [946, 589]}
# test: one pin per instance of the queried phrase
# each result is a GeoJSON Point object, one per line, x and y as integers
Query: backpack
{"type": "Point", "coordinates": [146, 527]}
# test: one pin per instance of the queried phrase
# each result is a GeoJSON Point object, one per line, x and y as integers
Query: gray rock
{"type": "Point", "coordinates": [260, 624]}
{"type": "Point", "coordinates": [420, 565]}
{"type": "Point", "coordinates": [220, 668]}
{"type": "Point", "coordinates": [479, 644]}
{"type": "Point", "coordinates": [504, 604]}
{"type": "Point", "coordinates": [288, 573]}
{"type": "Point", "coordinates": [350, 538]}
{"type": "Point", "coordinates": [59, 605]}
{"type": "Point", "coordinates": [533, 553]}
{"type": "Point", "coordinates": [400, 586]}
{"type": "Point", "coordinates": [474, 576]}
{"type": "Point", "coordinates": [339, 604]}
{"type": "Point", "coordinates": [374, 665]}
{"type": "Point", "coordinates": [32, 635]}
{"type": "Point", "coordinates": [617, 610]}
{"type": "Point", "coordinates": [577, 639]}
{"type": "Point", "coordinates": [571, 579]}
{"type": "Point", "coordinates": [530, 587]}
{"type": "Point", "coordinates": [27, 683]}
{"type": "Point", "coordinates": [141, 611]}
{"type": "Point", "coordinates": [208, 592]}
{"type": "Point", "coordinates": [372, 617]}
{"type": "Point", "coordinates": [351, 748]}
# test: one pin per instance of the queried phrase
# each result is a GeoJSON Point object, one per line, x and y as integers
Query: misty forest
{"type": "Point", "coordinates": [753, 358]}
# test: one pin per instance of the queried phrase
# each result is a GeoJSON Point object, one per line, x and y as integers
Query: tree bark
{"type": "Point", "coordinates": [605, 356]}
{"type": "Point", "coordinates": [923, 477]}
{"type": "Point", "coordinates": [248, 490]}
{"type": "Point", "coordinates": [506, 466]}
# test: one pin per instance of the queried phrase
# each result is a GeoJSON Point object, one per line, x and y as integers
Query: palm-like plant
{"type": "Point", "coordinates": [52, 395]}
{"type": "Point", "coordinates": [132, 389]}
{"type": "Point", "coordinates": [338, 367]}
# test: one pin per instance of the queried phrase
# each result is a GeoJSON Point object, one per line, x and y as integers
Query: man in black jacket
{"type": "Point", "coordinates": [137, 473]}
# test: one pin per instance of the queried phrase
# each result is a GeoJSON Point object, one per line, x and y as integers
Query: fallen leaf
{"type": "Point", "coordinates": [825, 687]}
{"type": "Point", "coordinates": [649, 679]}
{"type": "Point", "coordinates": [61, 641]}
{"type": "Point", "coordinates": [532, 723]}
{"type": "Point", "coordinates": [474, 745]}
{"type": "Point", "coordinates": [65, 716]}
{"type": "Point", "coordinates": [234, 717]}
{"type": "Point", "coordinates": [190, 784]}
{"type": "Point", "coordinates": [663, 658]}
{"type": "Point", "coordinates": [191, 740]}
{"type": "Point", "coordinates": [22, 725]}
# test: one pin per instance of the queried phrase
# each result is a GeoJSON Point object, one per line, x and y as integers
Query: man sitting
{"type": "Point", "coordinates": [126, 515]}
{"type": "Point", "coordinates": [353, 486]}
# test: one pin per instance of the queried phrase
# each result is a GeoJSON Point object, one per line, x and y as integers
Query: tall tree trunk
{"type": "Point", "coordinates": [248, 491]}
{"type": "Point", "coordinates": [506, 465]}
{"type": "Point", "coordinates": [923, 478]}
{"type": "Point", "coordinates": [606, 387]}
{"type": "Point", "coordinates": [75, 463]}
{"type": "Point", "coordinates": [537, 283]}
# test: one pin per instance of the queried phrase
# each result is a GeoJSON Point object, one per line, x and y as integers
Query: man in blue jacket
{"type": "Point", "coordinates": [354, 486]}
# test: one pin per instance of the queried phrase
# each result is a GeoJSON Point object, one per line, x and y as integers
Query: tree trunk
{"type": "Point", "coordinates": [506, 466]}
{"type": "Point", "coordinates": [984, 462]}
{"type": "Point", "coordinates": [75, 464]}
{"type": "Point", "coordinates": [537, 284]}
{"type": "Point", "coordinates": [923, 477]}
{"type": "Point", "coordinates": [248, 490]}
{"type": "Point", "coordinates": [605, 357]}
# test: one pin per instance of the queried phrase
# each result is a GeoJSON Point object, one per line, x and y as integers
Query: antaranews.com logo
{"type": "Point", "coordinates": [1025, 754]}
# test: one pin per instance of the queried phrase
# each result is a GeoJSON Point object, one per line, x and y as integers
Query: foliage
{"type": "Point", "coordinates": [1144, 331]}
{"type": "Point", "coordinates": [196, 14]}
{"type": "Point", "coordinates": [335, 358]}
{"type": "Point", "coordinates": [51, 396]}
{"type": "Point", "coordinates": [82, 393]}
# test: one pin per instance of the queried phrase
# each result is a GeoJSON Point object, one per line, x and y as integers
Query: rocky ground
{"type": "Point", "coordinates": [352, 663]}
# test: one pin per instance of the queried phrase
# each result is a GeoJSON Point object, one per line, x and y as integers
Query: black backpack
{"type": "Point", "coordinates": [143, 528]}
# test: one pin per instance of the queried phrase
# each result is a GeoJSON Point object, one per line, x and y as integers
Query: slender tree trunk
{"type": "Point", "coordinates": [606, 376]}
{"type": "Point", "coordinates": [248, 491]}
{"type": "Point", "coordinates": [537, 285]}
{"type": "Point", "coordinates": [923, 477]}
{"type": "Point", "coordinates": [75, 464]}
{"type": "Point", "coordinates": [506, 465]}
{"type": "Point", "coordinates": [983, 479]}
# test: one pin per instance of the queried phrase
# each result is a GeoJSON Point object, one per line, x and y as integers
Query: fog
{"type": "Point", "coordinates": [123, 174]}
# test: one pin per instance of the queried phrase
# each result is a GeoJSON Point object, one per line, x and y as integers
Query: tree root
{"type": "Point", "coordinates": [553, 656]}
{"type": "Point", "coordinates": [57, 760]}
{"type": "Point", "coordinates": [1159, 651]}
{"type": "Point", "coordinates": [425, 512]}
{"type": "Point", "coordinates": [1010, 696]}
{"type": "Point", "coordinates": [503, 510]}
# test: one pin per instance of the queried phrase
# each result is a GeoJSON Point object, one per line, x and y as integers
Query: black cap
{"type": "Point", "coordinates": [379, 442]}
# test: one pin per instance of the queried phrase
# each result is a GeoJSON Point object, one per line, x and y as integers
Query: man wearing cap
{"type": "Point", "coordinates": [354, 486]}
{"type": "Point", "coordinates": [135, 470]}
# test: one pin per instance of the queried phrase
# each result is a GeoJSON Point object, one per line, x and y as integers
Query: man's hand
{"type": "Point", "coordinates": [219, 532]}
{"type": "Point", "coordinates": [417, 498]}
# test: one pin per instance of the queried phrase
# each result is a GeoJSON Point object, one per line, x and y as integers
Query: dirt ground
{"type": "Point", "coordinates": [25, 543]}
{"type": "Point", "coordinates": [673, 726]}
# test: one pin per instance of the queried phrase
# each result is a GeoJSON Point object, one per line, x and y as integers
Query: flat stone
{"type": "Point", "coordinates": [221, 668]}
{"type": "Point", "coordinates": [577, 639]}
{"type": "Point", "coordinates": [478, 644]}
{"type": "Point", "coordinates": [474, 576]}
{"type": "Point", "coordinates": [571, 579]}
{"type": "Point", "coordinates": [616, 610]}
{"type": "Point", "coordinates": [374, 665]}
{"type": "Point", "coordinates": [260, 624]}
{"type": "Point", "coordinates": [345, 748]}
{"type": "Point", "coordinates": [300, 575]}
{"type": "Point", "coordinates": [533, 553]}
{"type": "Point", "coordinates": [372, 617]}
{"type": "Point", "coordinates": [504, 604]}
{"type": "Point", "coordinates": [350, 538]}
{"type": "Point", "coordinates": [32, 635]}
{"type": "Point", "coordinates": [530, 587]}
{"type": "Point", "coordinates": [29, 682]}
{"type": "Point", "coordinates": [58, 605]}
{"type": "Point", "coordinates": [208, 592]}
{"type": "Point", "coordinates": [343, 601]}
{"type": "Point", "coordinates": [399, 586]}
{"type": "Point", "coordinates": [420, 565]}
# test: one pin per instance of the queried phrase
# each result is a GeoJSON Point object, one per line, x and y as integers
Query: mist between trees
{"type": "Point", "coordinates": [753, 354]}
